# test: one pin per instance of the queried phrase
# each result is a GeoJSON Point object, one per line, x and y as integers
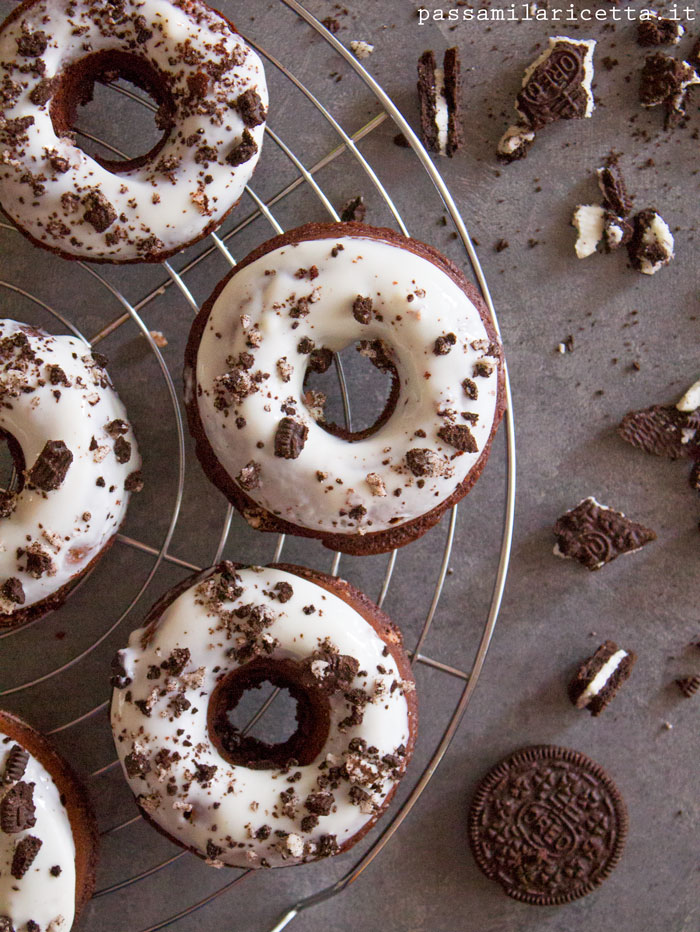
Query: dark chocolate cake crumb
{"type": "Point", "coordinates": [251, 108]}
{"type": "Point", "coordinates": [354, 210]}
{"type": "Point", "coordinates": [243, 150]}
{"type": "Point", "coordinates": [362, 309]}
{"type": "Point", "coordinates": [13, 590]}
{"type": "Point", "coordinates": [249, 477]}
{"type": "Point", "coordinates": [444, 344]}
{"type": "Point", "coordinates": [460, 437]}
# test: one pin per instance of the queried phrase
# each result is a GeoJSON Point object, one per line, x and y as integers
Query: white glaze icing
{"type": "Point", "coordinates": [46, 899]}
{"type": "Point", "coordinates": [174, 205]}
{"type": "Point", "coordinates": [249, 799]}
{"type": "Point", "coordinates": [414, 303]}
{"type": "Point", "coordinates": [589, 220]}
{"type": "Point", "coordinates": [597, 684]}
{"type": "Point", "coordinates": [73, 523]}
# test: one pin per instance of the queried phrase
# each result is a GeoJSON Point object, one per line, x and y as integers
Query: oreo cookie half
{"type": "Point", "coordinates": [548, 824]}
{"type": "Point", "coordinates": [440, 105]}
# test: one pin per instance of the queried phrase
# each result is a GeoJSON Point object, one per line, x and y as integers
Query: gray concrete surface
{"type": "Point", "coordinates": [567, 406]}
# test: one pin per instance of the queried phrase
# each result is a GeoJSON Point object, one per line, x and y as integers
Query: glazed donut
{"type": "Point", "coordinates": [77, 461]}
{"type": "Point", "coordinates": [48, 834]}
{"type": "Point", "coordinates": [212, 99]}
{"type": "Point", "coordinates": [231, 798]}
{"type": "Point", "coordinates": [290, 305]}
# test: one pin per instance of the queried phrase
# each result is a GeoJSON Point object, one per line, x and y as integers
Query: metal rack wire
{"type": "Point", "coordinates": [159, 555]}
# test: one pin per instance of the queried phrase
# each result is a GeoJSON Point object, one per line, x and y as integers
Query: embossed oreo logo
{"type": "Point", "coordinates": [555, 89]}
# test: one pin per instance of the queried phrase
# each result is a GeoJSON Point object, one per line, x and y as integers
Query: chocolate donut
{"type": "Point", "coordinates": [212, 103]}
{"type": "Point", "coordinates": [48, 833]}
{"type": "Point", "coordinates": [289, 306]}
{"type": "Point", "coordinates": [77, 463]}
{"type": "Point", "coordinates": [229, 797]}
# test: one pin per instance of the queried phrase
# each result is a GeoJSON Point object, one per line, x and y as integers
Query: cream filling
{"type": "Point", "coordinates": [513, 138]}
{"type": "Point", "coordinates": [589, 220]}
{"type": "Point", "coordinates": [39, 896]}
{"type": "Point", "coordinates": [598, 682]}
{"type": "Point", "coordinates": [657, 233]}
{"type": "Point", "coordinates": [691, 400]}
{"type": "Point", "coordinates": [442, 115]}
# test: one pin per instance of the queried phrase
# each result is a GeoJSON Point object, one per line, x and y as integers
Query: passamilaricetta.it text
{"type": "Point", "coordinates": [523, 12]}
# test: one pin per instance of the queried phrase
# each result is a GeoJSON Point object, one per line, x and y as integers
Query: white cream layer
{"type": "Point", "coordinates": [71, 524]}
{"type": "Point", "coordinates": [589, 220]}
{"type": "Point", "coordinates": [48, 900]}
{"type": "Point", "coordinates": [249, 799]}
{"type": "Point", "coordinates": [180, 213]}
{"type": "Point", "coordinates": [691, 399]}
{"type": "Point", "coordinates": [257, 300]}
{"type": "Point", "coordinates": [597, 684]}
{"type": "Point", "coordinates": [659, 234]}
{"type": "Point", "coordinates": [442, 112]}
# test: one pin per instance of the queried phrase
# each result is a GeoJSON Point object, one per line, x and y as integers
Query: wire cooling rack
{"type": "Point", "coordinates": [26, 694]}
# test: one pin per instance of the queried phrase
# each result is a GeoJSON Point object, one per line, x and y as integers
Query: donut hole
{"type": "Point", "coordinates": [292, 732]}
{"type": "Point", "coordinates": [372, 384]}
{"type": "Point", "coordinates": [83, 92]}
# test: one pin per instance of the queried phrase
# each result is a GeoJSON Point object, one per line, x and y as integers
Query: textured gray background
{"type": "Point", "coordinates": [555, 613]}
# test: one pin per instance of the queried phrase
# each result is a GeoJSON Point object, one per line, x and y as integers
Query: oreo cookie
{"type": "Point", "coordinates": [440, 105]}
{"type": "Point", "coordinates": [548, 824]}
{"type": "Point", "coordinates": [595, 535]}
{"type": "Point", "coordinates": [598, 678]}
{"type": "Point", "coordinates": [556, 86]}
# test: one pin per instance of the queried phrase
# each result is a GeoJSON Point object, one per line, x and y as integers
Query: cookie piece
{"type": "Point", "coordinates": [651, 245]}
{"type": "Point", "coordinates": [596, 227]}
{"type": "Point", "coordinates": [595, 535]}
{"type": "Point", "coordinates": [440, 104]}
{"type": "Point", "coordinates": [664, 82]}
{"type": "Point", "coordinates": [599, 677]}
{"type": "Point", "coordinates": [548, 824]}
{"type": "Point", "coordinates": [612, 186]}
{"type": "Point", "coordinates": [556, 86]}
{"type": "Point", "coordinates": [515, 143]}
{"type": "Point", "coordinates": [662, 430]}
{"type": "Point", "coordinates": [657, 30]}
{"type": "Point", "coordinates": [688, 685]}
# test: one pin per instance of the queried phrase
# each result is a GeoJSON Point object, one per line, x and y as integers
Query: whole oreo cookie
{"type": "Point", "coordinates": [548, 824]}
